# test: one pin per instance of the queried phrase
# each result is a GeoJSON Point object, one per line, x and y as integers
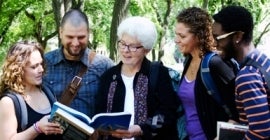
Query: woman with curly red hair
{"type": "Point", "coordinates": [22, 74]}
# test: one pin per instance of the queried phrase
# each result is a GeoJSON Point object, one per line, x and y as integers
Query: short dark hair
{"type": "Point", "coordinates": [76, 17]}
{"type": "Point", "coordinates": [236, 18]}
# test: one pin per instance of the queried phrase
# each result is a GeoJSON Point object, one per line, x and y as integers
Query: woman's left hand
{"type": "Point", "coordinates": [47, 127]}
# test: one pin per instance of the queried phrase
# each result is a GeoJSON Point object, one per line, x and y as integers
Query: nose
{"type": "Point", "coordinates": [177, 39]}
{"type": "Point", "coordinates": [75, 41]}
{"type": "Point", "coordinates": [40, 68]}
{"type": "Point", "coordinates": [126, 49]}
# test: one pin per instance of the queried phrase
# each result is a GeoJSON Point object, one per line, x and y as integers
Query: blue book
{"type": "Point", "coordinates": [73, 121]}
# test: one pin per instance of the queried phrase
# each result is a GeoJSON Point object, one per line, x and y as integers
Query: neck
{"type": "Point", "coordinates": [244, 50]}
{"type": "Point", "coordinates": [130, 70]}
{"type": "Point", "coordinates": [31, 89]}
{"type": "Point", "coordinates": [195, 54]}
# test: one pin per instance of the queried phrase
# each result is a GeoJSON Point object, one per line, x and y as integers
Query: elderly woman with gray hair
{"type": "Point", "coordinates": [126, 86]}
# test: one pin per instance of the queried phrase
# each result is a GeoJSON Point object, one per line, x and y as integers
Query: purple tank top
{"type": "Point", "coordinates": [186, 95]}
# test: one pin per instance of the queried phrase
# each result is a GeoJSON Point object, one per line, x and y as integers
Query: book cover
{"type": "Point", "coordinates": [230, 131]}
{"type": "Point", "coordinates": [71, 120]}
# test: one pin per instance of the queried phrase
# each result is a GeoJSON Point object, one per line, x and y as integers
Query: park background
{"type": "Point", "coordinates": [39, 20]}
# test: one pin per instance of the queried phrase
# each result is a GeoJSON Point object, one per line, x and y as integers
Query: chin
{"type": "Point", "coordinates": [38, 83]}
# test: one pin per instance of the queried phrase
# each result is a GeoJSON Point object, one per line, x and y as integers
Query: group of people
{"type": "Point", "coordinates": [106, 87]}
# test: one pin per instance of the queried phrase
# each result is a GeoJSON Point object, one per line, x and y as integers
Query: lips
{"type": "Point", "coordinates": [181, 48]}
{"type": "Point", "coordinates": [39, 77]}
{"type": "Point", "coordinates": [126, 56]}
{"type": "Point", "coordinates": [76, 48]}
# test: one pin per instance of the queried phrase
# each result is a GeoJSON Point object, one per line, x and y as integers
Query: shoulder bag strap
{"type": "Point", "coordinates": [71, 91]}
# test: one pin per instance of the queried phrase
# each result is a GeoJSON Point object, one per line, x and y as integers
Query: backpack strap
{"type": "Point", "coordinates": [209, 82]}
{"type": "Point", "coordinates": [154, 70]}
{"type": "Point", "coordinates": [50, 95]}
{"type": "Point", "coordinates": [262, 69]}
{"type": "Point", "coordinates": [20, 106]}
{"type": "Point", "coordinates": [20, 109]}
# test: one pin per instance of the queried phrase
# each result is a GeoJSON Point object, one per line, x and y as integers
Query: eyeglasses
{"type": "Point", "coordinates": [132, 48]}
{"type": "Point", "coordinates": [224, 36]}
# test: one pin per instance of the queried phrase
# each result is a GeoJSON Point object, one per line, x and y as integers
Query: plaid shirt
{"type": "Point", "coordinates": [60, 72]}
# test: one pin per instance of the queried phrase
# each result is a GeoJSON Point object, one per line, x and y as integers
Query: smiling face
{"type": "Point", "coordinates": [225, 45]}
{"type": "Point", "coordinates": [128, 57]}
{"type": "Point", "coordinates": [187, 42]}
{"type": "Point", "coordinates": [74, 39]}
{"type": "Point", "coordinates": [33, 71]}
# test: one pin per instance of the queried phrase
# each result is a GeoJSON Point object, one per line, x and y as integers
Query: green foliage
{"type": "Point", "coordinates": [99, 12]}
{"type": "Point", "coordinates": [16, 25]}
{"type": "Point", "coordinates": [8, 12]}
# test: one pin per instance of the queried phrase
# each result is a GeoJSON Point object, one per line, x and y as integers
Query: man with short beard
{"type": "Point", "coordinates": [233, 30]}
{"type": "Point", "coordinates": [64, 63]}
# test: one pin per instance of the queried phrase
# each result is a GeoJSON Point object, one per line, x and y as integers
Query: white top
{"type": "Point", "coordinates": [129, 98]}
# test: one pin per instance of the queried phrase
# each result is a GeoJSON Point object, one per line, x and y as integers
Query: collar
{"type": "Point", "coordinates": [145, 67]}
{"type": "Point", "coordinates": [59, 57]}
{"type": "Point", "coordinates": [249, 56]}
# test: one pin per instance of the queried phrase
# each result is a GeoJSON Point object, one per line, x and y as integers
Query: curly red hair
{"type": "Point", "coordinates": [14, 63]}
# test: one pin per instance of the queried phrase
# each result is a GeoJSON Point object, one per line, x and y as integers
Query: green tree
{"type": "Point", "coordinates": [28, 19]}
{"type": "Point", "coordinates": [119, 12]}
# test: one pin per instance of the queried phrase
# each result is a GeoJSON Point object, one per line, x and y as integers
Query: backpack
{"type": "Point", "coordinates": [175, 79]}
{"type": "Point", "coordinates": [20, 106]}
{"type": "Point", "coordinates": [209, 82]}
{"type": "Point", "coordinates": [154, 70]}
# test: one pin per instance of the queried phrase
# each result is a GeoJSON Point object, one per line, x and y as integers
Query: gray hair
{"type": "Point", "coordinates": [140, 28]}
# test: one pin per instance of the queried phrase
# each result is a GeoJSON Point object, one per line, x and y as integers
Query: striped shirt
{"type": "Point", "coordinates": [252, 98]}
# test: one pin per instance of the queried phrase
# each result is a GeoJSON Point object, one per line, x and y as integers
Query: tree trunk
{"type": "Point", "coordinates": [57, 8]}
{"type": "Point", "coordinates": [8, 23]}
{"type": "Point", "coordinates": [164, 22]}
{"type": "Point", "coordinates": [205, 4]}
{"type": "Point", "coordinates": [119, 12]}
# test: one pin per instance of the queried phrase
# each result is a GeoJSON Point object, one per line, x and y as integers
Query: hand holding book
{"type": "Point", "coordinates": [81, 126]}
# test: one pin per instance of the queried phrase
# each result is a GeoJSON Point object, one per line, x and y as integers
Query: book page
{"type": "Point", "coordinates": [101, 121]}
{"type": "Point", "coordinates": [229, 131]}
{"type": "Point", "coordinates": [77, 114]}
{"type": "Point", "coordinates": [66, 117]}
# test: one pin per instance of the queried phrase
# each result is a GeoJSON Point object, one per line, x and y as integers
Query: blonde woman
{"type": "Point", "coordinates": [22, 74]}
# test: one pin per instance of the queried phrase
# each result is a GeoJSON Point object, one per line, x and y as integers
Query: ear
{"type": "Point", "coordinates": [60, 32]}
{"type": "Point", "coordinates": [146, 51]}
{"type": "Point", "coordinates": [238, 37]}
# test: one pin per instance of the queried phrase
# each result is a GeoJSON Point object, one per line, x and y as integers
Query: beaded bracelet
{"type": "Point", "coordinates": [37, 128]}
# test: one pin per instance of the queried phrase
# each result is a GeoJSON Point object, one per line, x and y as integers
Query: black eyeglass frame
{"type": "Point", "coordinates": [121, 45]}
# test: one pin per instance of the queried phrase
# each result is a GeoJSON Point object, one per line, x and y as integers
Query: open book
{"type": "Point", "coordinates": [79, 126]}
{"type": "Point", "coordinates": [230, 131]}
